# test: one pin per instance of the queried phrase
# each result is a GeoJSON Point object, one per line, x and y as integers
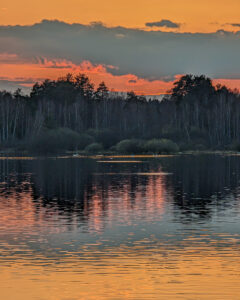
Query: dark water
{"type": "Point", "coordinates": [143, 228]}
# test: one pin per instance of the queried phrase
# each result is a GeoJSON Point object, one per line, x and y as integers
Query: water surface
{"type": "Point", "coordinates": [141, 228]}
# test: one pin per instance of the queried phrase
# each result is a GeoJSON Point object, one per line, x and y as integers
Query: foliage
{"type": "Point", "coordinates": [94, 148]}
{"type": "Point", "coordinates": [104, 136]}
{"type": "Point", "coordinates": [196, 114]}
{"type": "Point", "coordinates": [102, 92]}
{"type": "Point", "coordinates": [54, 141]}
{"type": "Point", "coordinates": [65, 89]}
{"type": "Point", "coordinates": [161, 146]}
{"type": "Point", "coordinates": [130, 146]}
{"type": "Point", "coordinates": [84, 141]}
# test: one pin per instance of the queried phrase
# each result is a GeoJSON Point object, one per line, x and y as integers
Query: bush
{"type": "Point", "coordinates": [94, 148]}
{"type": "Point", "coordinates": [161, 146]}
{"type": "Point", "coordinates": [104, 136]}
{"type": "Point", "coordinates": [113, 149]}
{"type": "Point", "coordinates": [85, 140]}
{"type": "Point", "coordinates": [68, 138]}
{"type": "Point", "coordinates": [132, 146]}
{"type": "Point", "coordinates": [54, 141]}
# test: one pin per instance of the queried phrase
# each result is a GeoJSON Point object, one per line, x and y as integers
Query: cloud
{"type": "Point", "coordinates": [163, 23]}
{"type": "Point", "coordinates": [150, 55]}
{"type": "Point", "coordinates": [234, 24]}
{"type": "Point", "coordinates": [11, 79]}
{"type": "Point", "coordinates": [8, 58]}
{"type": "Point", "coordinates": [13, 85]}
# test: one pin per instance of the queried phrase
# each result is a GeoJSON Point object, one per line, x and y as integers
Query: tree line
{"type": "Point", "coordinates": [70, 111]}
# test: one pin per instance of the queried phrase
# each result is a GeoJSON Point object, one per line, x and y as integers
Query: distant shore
{"type": "Point", "coordinates": [13, 153]}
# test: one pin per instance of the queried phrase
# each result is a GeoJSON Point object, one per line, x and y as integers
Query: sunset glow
{"type": "Point", "coordinates": [27, 74]}
{"type": "Point", "coordinates": [203, 16]}
{"type": "Point", "coordinates": [19, 70]}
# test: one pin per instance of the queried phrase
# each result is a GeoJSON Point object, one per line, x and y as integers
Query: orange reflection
{"type": "Point", "coordinates": [199, 272]}
{"type": "Point", "coordinates": [102, 206]}
{"type": "Point", "coordinates": [120, 206]}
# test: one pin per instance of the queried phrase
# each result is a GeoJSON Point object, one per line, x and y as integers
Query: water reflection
{"type": "Point", "coordinates": [204, 184]}
{"type": "Point", "coordinates": [195, 186]}
{"type": "Point", "coordinates": [166, 226]}
{"type": "Point", "coordinates": [82, 192]}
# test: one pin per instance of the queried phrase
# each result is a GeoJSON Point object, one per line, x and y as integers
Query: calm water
{"type": "Point", "coordinates": [138, 228]}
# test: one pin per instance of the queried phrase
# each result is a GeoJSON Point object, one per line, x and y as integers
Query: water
{"type": "Point", "coordinates": [120, 228]}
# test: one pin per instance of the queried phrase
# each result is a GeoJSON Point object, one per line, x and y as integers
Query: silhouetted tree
{"type": "Point", "coordinates": [195, 114]}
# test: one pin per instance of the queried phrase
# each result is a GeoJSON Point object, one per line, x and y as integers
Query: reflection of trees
{"type": "Point", "coordinates": [83, 192]}
{"type": "Point", "coordinates": [203, 182]}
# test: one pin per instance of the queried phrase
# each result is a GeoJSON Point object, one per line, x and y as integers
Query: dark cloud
{"type": "Point", "coordinates": [234, 24]}
{"type": "Point", "coordinates": [132, 81]}
{"type": "Point", "coordinates": [12, 85]}
{"type": "Point", "coordinates": [147, 54]}
{"type": "Point", "coordinates": [163, 23]}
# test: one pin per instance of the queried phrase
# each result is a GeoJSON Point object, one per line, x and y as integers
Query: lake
{"type": "Point", "coordinates": [120, 228]}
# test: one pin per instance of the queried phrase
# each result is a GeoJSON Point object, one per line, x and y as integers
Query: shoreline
{"type": "Point", "coordinates": [12, 154]}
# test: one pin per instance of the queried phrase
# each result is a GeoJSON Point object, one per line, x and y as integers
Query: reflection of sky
{"type": "Point", "coordinates": [122, 208]}
{"type": "Point", "coordinates": [120, 234]}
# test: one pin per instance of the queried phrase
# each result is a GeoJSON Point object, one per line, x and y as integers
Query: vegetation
{"type": "Point", "coordinates": [54, 140]}
{"type": "Point", "coordinates": [158, 146]}
{"type": "Point", "coordinates": [132, 146]}
{"type": "Point", "coordinates": [84, 141]}
{"type": "Point", "coordinates": [94, 148]}
{"type": "Point", "coordinates": [69, 114]}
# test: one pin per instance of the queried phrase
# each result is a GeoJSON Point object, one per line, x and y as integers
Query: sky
{"type": "Point", "coordinates": [134, 45]}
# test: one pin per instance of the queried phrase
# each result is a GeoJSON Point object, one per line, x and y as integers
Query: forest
{"type": "Point", "coordinates": [70, 114]}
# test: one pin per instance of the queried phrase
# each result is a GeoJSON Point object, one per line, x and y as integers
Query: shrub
{"type": "Point", "coordinates": [85, 140]}
{"type": "Point", "coordinates": [94, 148]}
{"type": "Point", "coordinates": [113, 148]}
{"type": "Point", "coordinates": [132, 146]}
{"type": "Point", "coordinates": [68, 138]}
{"type": "Point", "coordinates": [104, 136]}
{"type": "Point", "coordinates": [54, 141]}
{"type": "Point", "coordinates": [161, 146]}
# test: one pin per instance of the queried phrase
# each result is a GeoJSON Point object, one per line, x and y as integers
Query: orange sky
{"type": "Point", "coordinates": [97, 74]}
{"type": "Point", "coordinates": [37, 72]}
{"type": "Point", "coordinates": [202, 16]}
